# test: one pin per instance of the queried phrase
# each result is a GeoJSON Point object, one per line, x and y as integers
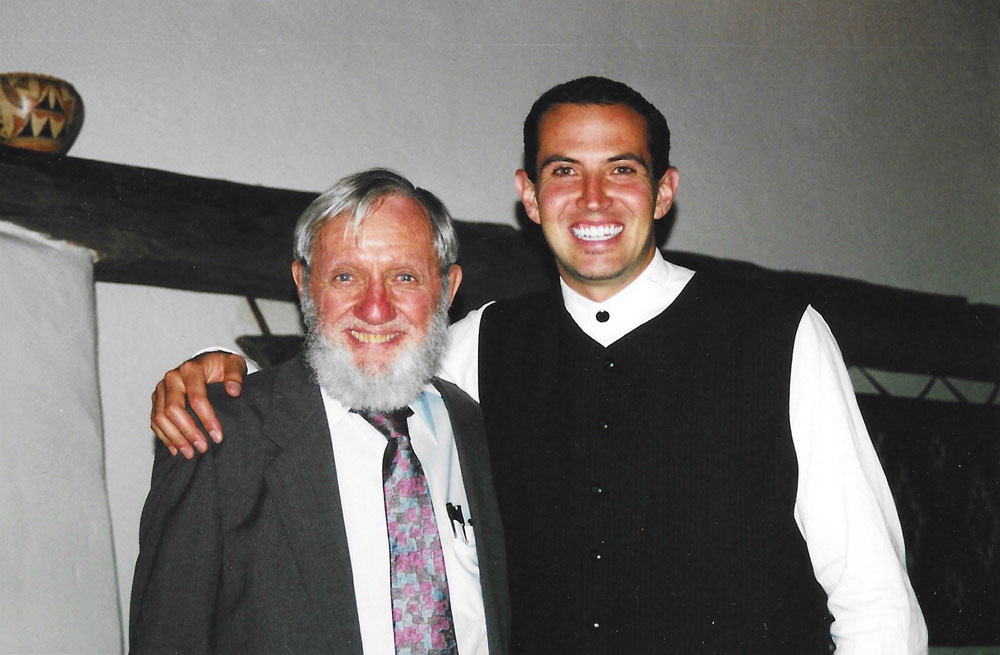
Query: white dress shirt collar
{"type": "Point", "coordinates": [335, 410]}
{"type": "Point", "coordinates": [646, 297]}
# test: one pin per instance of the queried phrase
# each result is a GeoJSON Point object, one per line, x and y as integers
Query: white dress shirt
{"type": "Point", "coordinates": [357, 450]}
{"type": "Point", "coordinates": [843, 505]}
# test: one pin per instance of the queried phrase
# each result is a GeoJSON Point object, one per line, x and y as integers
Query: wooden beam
{"type": "Point", "coordinates": [163, 229]}
{"type": "Point", "coordinates": [157, 228]}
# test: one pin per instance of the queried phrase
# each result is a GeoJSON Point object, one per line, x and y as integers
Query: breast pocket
{"type": "Point", "coordinates": [463, 534]}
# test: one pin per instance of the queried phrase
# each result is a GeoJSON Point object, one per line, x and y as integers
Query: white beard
{"type": "Point", "coordinates": [399, 385]}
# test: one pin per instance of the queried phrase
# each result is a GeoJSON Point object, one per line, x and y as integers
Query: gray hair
{"type": "Point", "coordinates": [359, 194]}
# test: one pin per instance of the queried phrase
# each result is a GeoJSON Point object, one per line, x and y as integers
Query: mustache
{"type": "Point", "coordinates": [394, 386]}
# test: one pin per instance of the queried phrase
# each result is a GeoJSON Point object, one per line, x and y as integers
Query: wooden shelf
{"type": "Point", "coordinates": [158, 228]}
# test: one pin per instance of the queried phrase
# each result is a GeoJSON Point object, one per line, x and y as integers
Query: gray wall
{"type": "Point", "coordinates": [859, 139]}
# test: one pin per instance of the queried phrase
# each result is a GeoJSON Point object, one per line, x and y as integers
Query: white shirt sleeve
{"type": "Point", "coordinates": [844, 507]}
{"type": "Point", "coordinates": [461, 363]}
{"type": "Point", "coordinates": [252, 365]}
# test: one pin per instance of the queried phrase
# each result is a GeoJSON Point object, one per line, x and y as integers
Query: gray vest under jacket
{"type": "Point", "coordinates": [646, 489]}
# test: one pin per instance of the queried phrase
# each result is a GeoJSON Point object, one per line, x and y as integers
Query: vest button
{"type": "Point", "coordinates": [597, 490]}
{"type": "Point", "coordinates": [595, 625]}
{"type": "Point", "coordinates": [596, 555]}
{"type": "Point", "coordinates": [609, 364]}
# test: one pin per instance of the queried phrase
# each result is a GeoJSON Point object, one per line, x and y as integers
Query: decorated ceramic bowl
{"type": "Point", "coordinates": [39, 112]}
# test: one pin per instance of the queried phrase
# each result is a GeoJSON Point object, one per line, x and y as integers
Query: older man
{"type": "Point", "coordinates": [681, 463]}
{"type": "Point", "coordinates": [353, 509]}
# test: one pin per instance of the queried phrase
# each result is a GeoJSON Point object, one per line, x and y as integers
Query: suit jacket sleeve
{"type": "Point", "coordinates": [177, 571]}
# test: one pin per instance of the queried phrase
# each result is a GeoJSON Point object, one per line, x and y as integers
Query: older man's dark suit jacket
{"type": "Point", "coordinates": [243, 549]}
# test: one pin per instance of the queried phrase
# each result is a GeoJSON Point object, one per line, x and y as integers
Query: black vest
{"type": "Point", "coordinates": [646, 489]}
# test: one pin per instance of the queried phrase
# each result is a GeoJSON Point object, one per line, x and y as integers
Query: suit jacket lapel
{"type": "Point", "coordinates": [302, 479]}
{"type": "Point", "coordinates": [473, 457]}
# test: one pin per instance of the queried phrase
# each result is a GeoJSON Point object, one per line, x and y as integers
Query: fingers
{"type": "Point", "coordinates": [157, 406]}
{"type": "Point", "coordinates": [234, 369]}
{"type": "Point", "coordinates": [185, 386]}
{"type": "Point", "coordinates": [170, 420]}
{"type": "Point", "coordinates": [163, 426]}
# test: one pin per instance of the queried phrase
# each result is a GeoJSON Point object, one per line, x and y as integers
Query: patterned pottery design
{"type": "Point", "coordinates": [39, 112]}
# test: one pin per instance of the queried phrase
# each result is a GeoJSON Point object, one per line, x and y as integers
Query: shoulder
{"type": "Point", "coordinates": [526, 303]}
{"type": "Point", "coordinates": [261, 391]}
{"type": "Point", "coordinates": [738, 298]}
{"type": "Point", "coordinates": [506, 316]}
{"type": "Point", "coordinates": [736, 290]}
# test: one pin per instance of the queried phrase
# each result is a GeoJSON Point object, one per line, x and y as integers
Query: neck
{"type": "Point", "coordinates": [599, 290]}
{"type": "Point", "coordinates": [592, 290]}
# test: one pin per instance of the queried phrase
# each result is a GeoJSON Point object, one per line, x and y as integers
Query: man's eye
{"type": "Point", "coordinates": [562, 170]}
{"type": "Point", "coordinates": [624, 170]}
{"type": "Point", "coordinates": [343, 277]}
{"type": "Point", "coordinates": [407, 277]}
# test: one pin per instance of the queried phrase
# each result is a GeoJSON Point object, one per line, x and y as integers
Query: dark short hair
{"type": "Point", "coordinates": [598, 91]}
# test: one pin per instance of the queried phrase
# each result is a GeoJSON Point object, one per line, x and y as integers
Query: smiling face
{"type": "Point", "coordinates": [375, 292]}
{"type": "Point", "coordinates": [595, 197]}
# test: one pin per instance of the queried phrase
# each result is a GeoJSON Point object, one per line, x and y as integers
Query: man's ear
{"type": "Point", "coordinates": [526, 190]}
{"type": "Point", "coordinates": [666, 190]}
{"type": "Point", "coordinates": [455, 279]}
{"type": "Point", "coordinates": [297, 276]}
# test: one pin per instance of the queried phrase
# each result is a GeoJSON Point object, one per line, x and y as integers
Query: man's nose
{"type": "Point", "coordinates": [375, 307]}
{"type": "Point", "coordinates": [593, 198]}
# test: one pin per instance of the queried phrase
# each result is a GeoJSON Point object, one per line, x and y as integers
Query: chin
{"type": "Point", "coordinates": [597, 273]}
{"type": "Point", "coordinates": [386, 379]}
{"type": "Point", "coordinates": [376, 363]}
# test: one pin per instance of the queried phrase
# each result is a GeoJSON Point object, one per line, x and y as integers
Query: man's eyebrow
{"type": "Point", "coordinates": [552, 159]}
{"type": "Point", "coordinates": [561, 159]}
{"type": "Point", "coordinates": [629, 157]}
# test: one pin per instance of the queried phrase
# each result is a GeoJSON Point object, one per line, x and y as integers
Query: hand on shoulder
{"type": "Point", "coordinates": [185, 386]}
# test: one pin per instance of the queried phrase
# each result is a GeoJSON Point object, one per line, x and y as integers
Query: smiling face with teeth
{"type": "Point", "coordinates": [376, 290]}
{"type": "Point", "coordinates": [595, 197]}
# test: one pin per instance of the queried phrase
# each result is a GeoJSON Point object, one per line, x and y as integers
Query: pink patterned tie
{"type": "Point", "coordinates": [421, 611]}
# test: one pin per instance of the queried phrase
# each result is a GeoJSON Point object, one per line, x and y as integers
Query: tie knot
{"type": "Point", "coordinates": [392, 424]}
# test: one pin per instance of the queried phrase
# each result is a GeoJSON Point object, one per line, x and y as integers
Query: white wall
{"type": "Point", "coordinates": [57, 570]}
{"type": "Point", "coordinates": [859, 139]}
{"type": "Point", "coordinates": [855, 138]}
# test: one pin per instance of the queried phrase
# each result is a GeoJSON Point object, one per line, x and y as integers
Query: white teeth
{"type": "Point", "coordinates": [368, 337]}
{"type": "Point", "coordinates": [597, 232]}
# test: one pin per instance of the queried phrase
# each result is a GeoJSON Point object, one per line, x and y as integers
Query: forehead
{"type": "Point", "coordinates": [571, 130]}
{"type": "Point", "coordinates": [396, 230]}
